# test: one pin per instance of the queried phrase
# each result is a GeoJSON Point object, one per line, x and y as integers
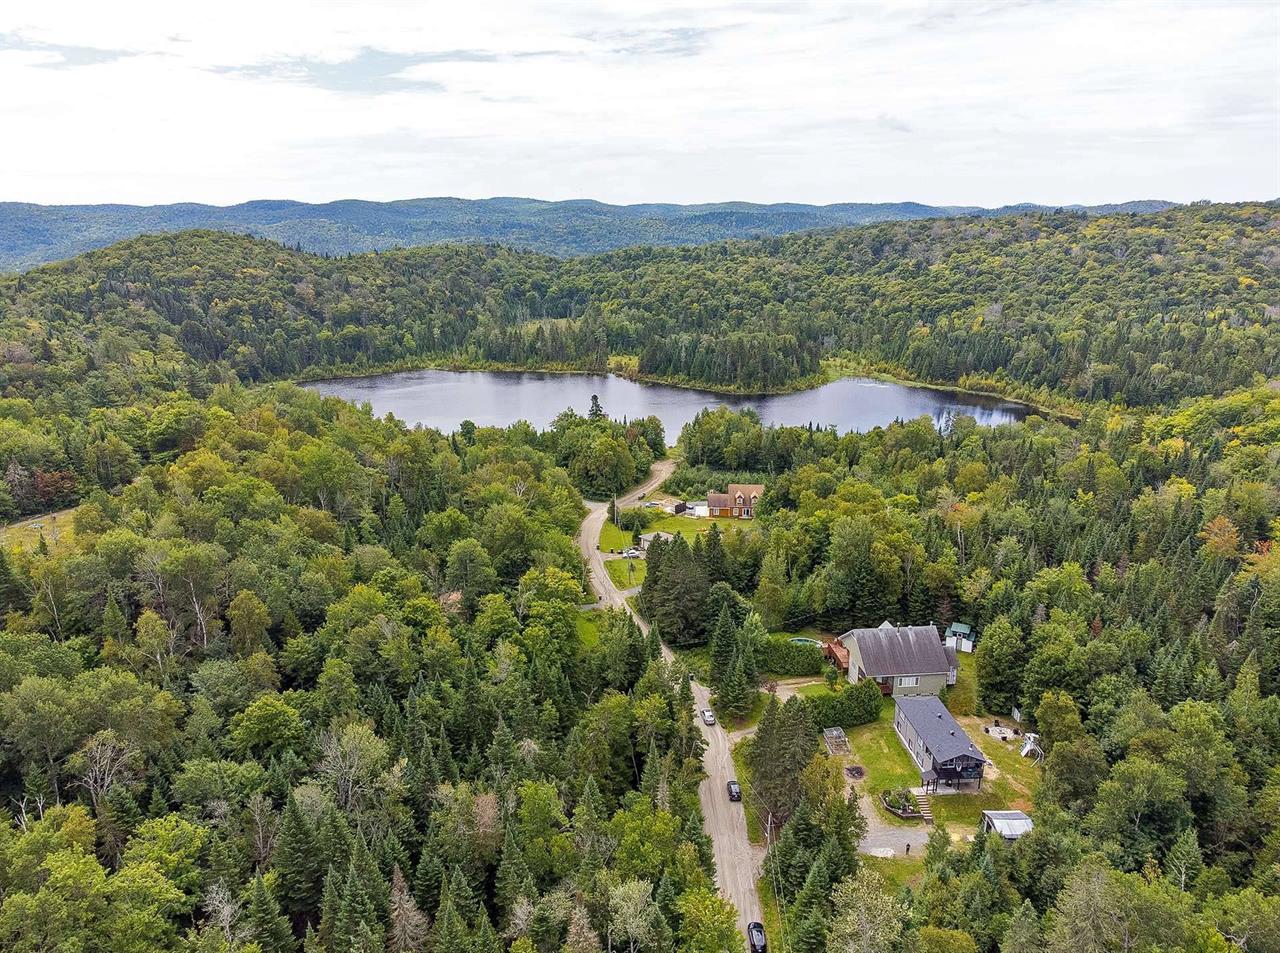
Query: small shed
{"type": "Point", "coordinates": [959, 636]}
{"type": "Point", "coordinates": [1010, 825]}
{"type": "Point", "coordinates": [698, 508]}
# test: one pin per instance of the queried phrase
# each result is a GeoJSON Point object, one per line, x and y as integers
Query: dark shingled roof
{"type": "Point", "coordinates": [905, 650]}
{"type": "Point", "coordinates": [934, 725]}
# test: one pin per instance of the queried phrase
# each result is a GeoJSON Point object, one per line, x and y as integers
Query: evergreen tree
{"type": "Point", "coordinates": [1023, 934]}
{"type": "Point", "coordinates": [428, 879]}
{"type": "Point", "coordinates": [513, 878]}
{"type": "Point", "coordinates": [736, 695]}
{"type": "Point", "coordinates": [722, 645]}
{"type": "Point", "coordinates": [296, 862]}
{"type": "Point", "coordinates": [264, 924]}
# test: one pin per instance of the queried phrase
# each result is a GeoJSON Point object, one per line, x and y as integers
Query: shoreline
{"type": "Point", "coordinates": [830, 375]}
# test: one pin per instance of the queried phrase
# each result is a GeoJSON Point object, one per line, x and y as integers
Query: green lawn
{"type": "Point", "coordinates": [876, 747]}
{"type": "Point", "coordinates": [690, 526]}
{"type": "Point", "coordinates": [898, 872]}
{"type": "Point", "coordinates": [588, 625]}
{"type": "Point", "coordinates": [755, 830]}
{"type": "Point", "coordinates": [612, 538]}
{"type": "Point", "coordinates": [625, 573]}
{"type": "Point", "coordinates": [962, 697]}
{"type": "Point", "coordinates": [1009, 783]}
{"type": "Point", "coordinates": [818, 690]}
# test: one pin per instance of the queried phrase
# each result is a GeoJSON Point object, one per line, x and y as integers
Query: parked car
{"type": "Point", "coordinates": [735, 792]}
{"type": "Point", "coordinates": [652, 504]}
{"type": "Point", "coordinates": [708, 716]}
{"type": "Point", "coordinates": [632, 553]}
{"type": "Point", "coordinates": [755, 938]}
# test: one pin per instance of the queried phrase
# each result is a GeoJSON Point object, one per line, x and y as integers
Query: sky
{"type": "Point", "coordinates": [969, 103]}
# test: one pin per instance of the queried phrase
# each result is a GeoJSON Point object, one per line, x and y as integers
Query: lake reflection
{"type": "Point", "coordinates": [443, 399]}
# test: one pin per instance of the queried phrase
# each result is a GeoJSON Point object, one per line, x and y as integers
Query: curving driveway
{"type": "Point", "coordinates": [738, 863]}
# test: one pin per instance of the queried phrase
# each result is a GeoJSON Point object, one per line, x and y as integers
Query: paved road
{"type": "Point", "coordinates": [737, 861]}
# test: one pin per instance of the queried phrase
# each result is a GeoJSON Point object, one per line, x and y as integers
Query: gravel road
{"type": "Point", "coordinates": [737, 861]}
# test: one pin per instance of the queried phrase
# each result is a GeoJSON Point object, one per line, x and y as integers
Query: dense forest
{"type": "Point", "coordinates": [32, 235]}
{"type": "Point", "coordinates": [1139, 309]}
{"type": "Point", "coordinates": [296, 678]}
{"type": "Point", "coordinates": [1124, 577]}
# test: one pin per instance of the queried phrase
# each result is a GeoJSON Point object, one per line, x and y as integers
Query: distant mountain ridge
{"type": "Point", "coordinates": [35, 234]}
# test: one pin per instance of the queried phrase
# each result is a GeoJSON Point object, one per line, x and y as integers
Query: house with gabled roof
{"type": "Point", "coordinates": [902, 660]}
{"type": "Point", "coordinates": [738, 503]}
{"type": "Point", "coordinates": [937, 744]}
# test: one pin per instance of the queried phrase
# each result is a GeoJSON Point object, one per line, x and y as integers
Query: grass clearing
{"type": "Point", "coordinates": [962, 697]}
{"type": "Point", "coordinates": [818, 690]}
{"type": "Point", "coordinates": [690, 526]}
{"type": "Point", "coordinates": [625, 573]}
{"type": "Point", "coordinates": [878, 751]}
{"type": "Point", "coordinates": [898, 872]}
{"type": "Point", "coordinates": [588, 626]}
{"type": "Point", "coordinates": [55, 527]}
{"type": "Point", "coordinates": [613, 539]}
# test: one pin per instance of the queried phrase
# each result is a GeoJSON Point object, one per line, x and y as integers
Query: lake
{"type": "Point", "coordinates": [443, 399]}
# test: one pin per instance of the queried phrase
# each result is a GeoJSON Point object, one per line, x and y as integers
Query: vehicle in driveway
{"type": "Point", "coordinates": [755, 938]}
{"type": "Point", "coordinates": [632, 553]}
{"type": "Point", "coordinates": [708, 716]}
{"type": "Point", "coordinates": [735, 791]}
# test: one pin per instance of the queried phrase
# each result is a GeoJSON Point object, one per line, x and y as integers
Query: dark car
{"type": "Point", "coordinates": [755, 938]}
{"type": "Point", "coordinates": [735, 792]}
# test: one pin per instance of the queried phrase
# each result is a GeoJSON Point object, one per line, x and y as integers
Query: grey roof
{"type": "Point", "coordinates": [905, 650]}
{"type": "Point", "coordinates": [952, 659]}
{"type": "Point", "coordinates": [1008, 824]}
{"type": "Point", "coordinates": [933, 725]}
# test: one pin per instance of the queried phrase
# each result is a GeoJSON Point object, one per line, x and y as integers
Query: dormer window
{"type": "Point", "coordinates": [739, 498]}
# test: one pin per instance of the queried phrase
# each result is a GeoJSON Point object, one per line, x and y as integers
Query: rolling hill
{"type": "Point", "coordinates": [36, 234]}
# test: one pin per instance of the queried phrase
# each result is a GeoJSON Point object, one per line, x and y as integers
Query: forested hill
{"type": "Point", "coordinates": [1136, 309]}
{"type": "Point", "coordinates": [34, 234]}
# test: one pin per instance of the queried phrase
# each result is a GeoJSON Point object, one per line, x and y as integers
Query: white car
{"type": "Point", "coordinates": [708, 716]}
{"type": "Point", "coordinates": [632, 553]}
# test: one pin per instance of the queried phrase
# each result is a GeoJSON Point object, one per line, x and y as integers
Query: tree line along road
{"type": "Point", "coordinates": [738, 863]}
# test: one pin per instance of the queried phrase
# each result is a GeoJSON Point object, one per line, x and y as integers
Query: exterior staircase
{"type": "Point", "coordinates": [926, 809]}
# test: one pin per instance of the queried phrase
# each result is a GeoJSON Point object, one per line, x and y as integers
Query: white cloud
{"type": "Point", "coordinates": [955, 103]}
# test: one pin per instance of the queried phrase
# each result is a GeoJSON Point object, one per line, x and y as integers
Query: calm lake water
{"type": "Point", "coordinates": [443, 399]}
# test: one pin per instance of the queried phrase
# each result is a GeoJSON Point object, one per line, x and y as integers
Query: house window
{"type": "Point", "coordinates": [735, 511]}
{"type": "Point", "coordinates": [746, 511]}
{"type": "Point", "coordinates": [908, 681]}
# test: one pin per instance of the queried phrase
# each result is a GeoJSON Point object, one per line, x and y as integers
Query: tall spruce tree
{"type": "Point", "coordinates": [264, 924]}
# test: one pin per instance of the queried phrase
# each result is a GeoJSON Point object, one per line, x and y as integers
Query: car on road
{"type": "Point", "coordinates": [708, 716]}
{"type": "Point", "coordinates": [735, 791]}
{"type": "Point", "coordinates": [756, 942]}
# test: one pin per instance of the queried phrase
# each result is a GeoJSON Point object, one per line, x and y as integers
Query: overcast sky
{"type": "Point", "coordinates": [949, 103]}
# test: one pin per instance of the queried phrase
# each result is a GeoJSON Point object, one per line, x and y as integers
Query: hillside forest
{"type": "Point", "coordinates": [298, 679]}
